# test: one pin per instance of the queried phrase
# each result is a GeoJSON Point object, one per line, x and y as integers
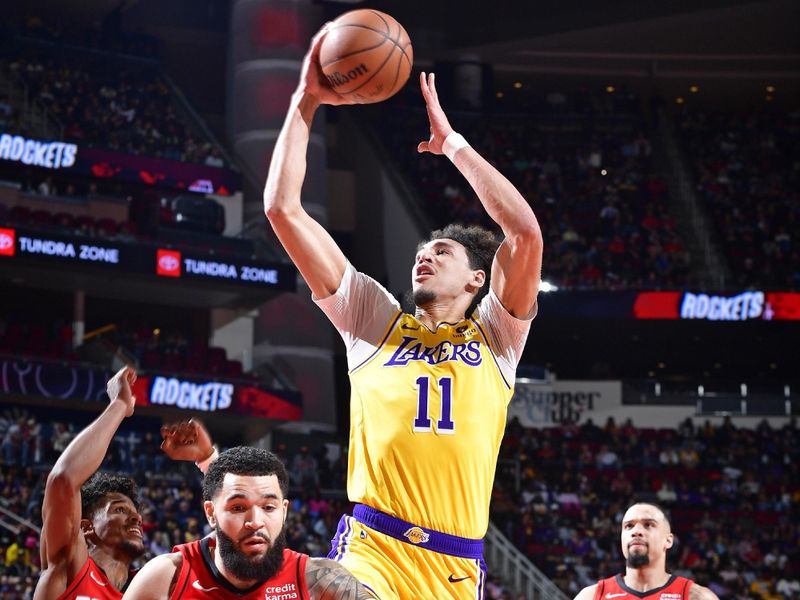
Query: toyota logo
{"type": "Point", "coordinates": [6, 241]}
{"type": "Point", "coordinates": [168, 263]}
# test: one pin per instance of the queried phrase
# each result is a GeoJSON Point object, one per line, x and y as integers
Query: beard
{"type": "Point", "coordinates": [637, 560]}
{"type": "Point", "coordinates": [422, 297]}
{"type": "Point", "coordinates": [246, 568]}
{"type": "Point", "coordinates": [132, 549]}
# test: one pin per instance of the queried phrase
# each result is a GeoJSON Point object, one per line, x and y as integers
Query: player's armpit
{"type": "Point", "coordinates": [328, 580]}
{"type": "Point", "coordinates": [587, 593]}
{"type": "Point", "coordinates": [698, 592]}
{"type": "Point", "coordinates": [157, 579]}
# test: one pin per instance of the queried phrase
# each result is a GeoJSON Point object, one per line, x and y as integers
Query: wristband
{"type": "Point", "coordinates": [452, 144]}
{"type": "Point", "coordinates": [203, 464]}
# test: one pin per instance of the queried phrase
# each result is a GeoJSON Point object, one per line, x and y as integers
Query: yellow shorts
{"type": "Point", "coordinates": [395, 569]}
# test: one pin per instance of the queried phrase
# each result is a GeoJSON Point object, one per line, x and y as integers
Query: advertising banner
{"type": "Point", "coordinates": [170, 264]}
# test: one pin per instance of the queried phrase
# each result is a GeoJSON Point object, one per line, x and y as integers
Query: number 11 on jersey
{"type": "Point", "coordinates": [422, 422]}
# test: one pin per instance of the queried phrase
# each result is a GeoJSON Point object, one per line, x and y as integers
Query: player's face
{"type": "Point", "coordinates": [249, 510]}
{"type": "Point", "coordinates": [645, 535]}
{"type": "Point", "coordinates": [441, 272]}
{"type": "Point", "coordinates": [117, 524]}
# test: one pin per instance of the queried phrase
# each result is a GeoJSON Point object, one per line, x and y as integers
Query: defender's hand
{"type": "Point", "coordinates": [188, 440]}
{"type": "Point", "coordinates": [120, 387]}
{"type": "Point", "coordinates": [440, 126]}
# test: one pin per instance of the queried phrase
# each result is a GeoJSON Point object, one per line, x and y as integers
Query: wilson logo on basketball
{"type": "Point", "coordinates": [7, 242]}
{"type": "Point", "coordinates": [336, 78]}
{"type": "Point", "coordinates": [168, 263]}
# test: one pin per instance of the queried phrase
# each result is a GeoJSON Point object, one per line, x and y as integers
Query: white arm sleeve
{"type": "Point", "coordinates": [507, 334]}
{"type": "Point", "coordinates": [361, 310]}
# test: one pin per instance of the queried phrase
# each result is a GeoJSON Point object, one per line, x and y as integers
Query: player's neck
{"type": "Point", "coordinates": [646, 578]}
{"type": "Point", "coordinates": [117, 570]}
{"type": "Point", "coordinates": [434, 313]}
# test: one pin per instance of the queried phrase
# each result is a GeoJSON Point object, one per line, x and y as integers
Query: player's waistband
{"type": "Point", "coordinates": [423, 537]}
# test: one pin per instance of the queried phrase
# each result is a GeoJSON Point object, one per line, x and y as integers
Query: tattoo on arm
{"type": "Point", "coordinates": [328, 580]}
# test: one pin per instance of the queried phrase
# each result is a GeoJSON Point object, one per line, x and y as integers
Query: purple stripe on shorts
{"type": "Point", "coordinates": [429, 539]}
{"type": "Point", "coordinates": [342, 533]}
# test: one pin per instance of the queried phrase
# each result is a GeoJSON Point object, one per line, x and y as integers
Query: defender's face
{"type": "Point", "coordinates": [250, 510]}
{"type": "Point", "coordinates": [645, 532]}
{"type": "Point", "coordinates": [118, 524]}
{"type": "Point", "coordinates": [441, 270]}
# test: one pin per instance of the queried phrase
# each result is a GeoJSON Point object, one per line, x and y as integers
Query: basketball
{"type": "Point", "coordinates": [366, 56]}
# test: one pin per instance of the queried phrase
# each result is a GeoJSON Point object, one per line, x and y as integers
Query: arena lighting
{"type": "Point", "coordinates": [770, 88]}
{"type": "Point", "coordinates": [694, 89]}
{"type": "Point", "coordinates": [603, 172]}
{"type": "Point", "coordinates": [679, 100]}
{"type": "Point", "coordinates": [500, 94]}
{"type": "Point", "coordinates": [546, 286]}
{"type": "Point", "coordinates": [610, 89]}
{"type": "Point", "coordinates": [517, 85]}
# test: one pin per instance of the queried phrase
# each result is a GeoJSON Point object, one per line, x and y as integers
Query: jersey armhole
{"type": "Point", "coordinates": [598, 593]}
{"type": "Point", "coordinates": [181, 579]}
{"type": "Point", "coordinates": [301, 576]}
{"type": "Point", "coordinates": [78, 578]}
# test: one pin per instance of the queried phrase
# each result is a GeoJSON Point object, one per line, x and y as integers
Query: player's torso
{"type": "Point", "coordinates": [90, 584]}
{"type": "Point", "coordinates": [200, 580]}
{"type": "Point", "coordinates": [427, 417]}
{"type": "Point", "coordinates": [614, 588]}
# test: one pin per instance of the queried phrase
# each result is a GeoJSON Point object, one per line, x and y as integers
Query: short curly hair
{"type": "Point", "coordinates": [244, 460]}
{"type": "Point", "coordinates": [100, 485]}
{"type": "Point", "coordinates": [481, 246]}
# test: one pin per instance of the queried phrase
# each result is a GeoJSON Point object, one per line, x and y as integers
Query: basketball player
{"type": "Point", "coordinates": [91, 534]}
{"type": "Point", "coordinates": [429, 390]}
{"type": "Point", "coordinates": [92, 530]}
{"type": "Point", "coordinates": [244, 493]}
{"type": "Point", "coordinates": [646, 537]}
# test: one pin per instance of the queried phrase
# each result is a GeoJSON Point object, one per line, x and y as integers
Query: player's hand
{"type": "Point", "coordinates": [187, 440]}
{"type": "Point", "coordinates": [440, 126]}
{"type": "Point", "coordinates": [120, 388]}
{"type": "Point", "coordinates": [313, 80]}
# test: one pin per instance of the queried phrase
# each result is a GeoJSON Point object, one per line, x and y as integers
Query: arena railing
{"type": "Point", "coordinates": [516, 571]}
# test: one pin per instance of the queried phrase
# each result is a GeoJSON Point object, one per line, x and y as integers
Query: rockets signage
{"type": "Point", "coordinates": [744, 306]}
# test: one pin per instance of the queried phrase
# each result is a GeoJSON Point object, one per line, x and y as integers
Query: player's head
{"type": "Point", "coordinates": [646, 535]}
{"type": "Point", "coordinates": [453, 261]}
{"type": "Point", "coordinates": [244, 493]}
{"type": "Point", "coordinates": [110, 516]}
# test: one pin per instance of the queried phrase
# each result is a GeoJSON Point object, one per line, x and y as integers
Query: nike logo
{"type": "Point", "coordinates": [96, 580]}
{"type": "Point", "coordinates": [616, 595]}
{"type": "Point", "coordinates": [452, 579]}
{"type": "Point", "coordinates": [196, 585]}
{"type": "Point", "coordinates": [404, 326]}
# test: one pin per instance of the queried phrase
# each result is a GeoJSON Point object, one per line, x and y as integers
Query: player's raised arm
{"type": "Point", "coordinates": [518, 263]}
{"type": "Point", "coordinates": [328, 580]}
{"type": "Point", "coordinates": [309, 245]}
{"type": "Point", "coordinates": [65, 550]}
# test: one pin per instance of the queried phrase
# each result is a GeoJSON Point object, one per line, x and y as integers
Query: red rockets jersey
{"type": "Point", "coordinates": [199, 578]}
{"type": "Point", "coordinates": [91, 584]}
{"type": "Point", "coordinates": [676, 588]}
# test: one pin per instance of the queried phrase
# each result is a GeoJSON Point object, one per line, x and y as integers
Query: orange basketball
{"type": "Point", "coordinates": [366, 56]}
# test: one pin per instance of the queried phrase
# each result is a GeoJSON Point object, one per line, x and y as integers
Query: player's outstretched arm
{"type": "Point", "coordinates": [156, 580]}
{"type": "Point", "coordinates": [518, 264]}
{"type": "Point", "coordinates": [587, 593]}
{"type": "Point", "coordinates": [65, 548]}
{"type": "Point", "coordinates": [311, 248]}
{"type": "Point", "coordinates": [698, 592]}
{"type": "Point", "coordinates": [328, 580]}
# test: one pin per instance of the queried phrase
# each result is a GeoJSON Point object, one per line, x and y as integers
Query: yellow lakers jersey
{"type": "Point", "coordinates": [428, 410]}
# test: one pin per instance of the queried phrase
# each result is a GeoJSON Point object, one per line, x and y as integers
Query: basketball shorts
{"type": "Point", "coordinates": [397, 560]}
